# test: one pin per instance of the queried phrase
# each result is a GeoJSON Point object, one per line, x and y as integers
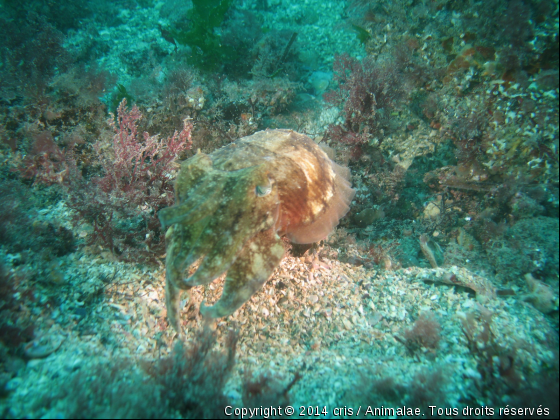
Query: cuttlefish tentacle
{"type": "Point", "coordinates": [173, 273]}
{"type": "Point", "coordinates": [228, 241]}
{"type": "Point", "coordinates": [173, 298]}
{"type": "Point", "coordinates": [221, 256]}
{"type": "Point", "coordinates": [249, 272]}
{"type": "Point", "coordinates": [190, 234]}
{"type": "Point", "coordinates": [216, 261]}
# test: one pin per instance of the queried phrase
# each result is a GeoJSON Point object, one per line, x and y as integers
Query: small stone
{"type": "Point", "coordinates": [13, 384]}
{"type": "Point", "coordinates": [283, 301]}
{"type": "Point", "coordinates": [4, 379]}
{"type": "Point", "coordinates": [14, 364]}
{"type": "Point", "coordinates": [431, 211]}
{"type": "Point", "coordinates": [80, 312]}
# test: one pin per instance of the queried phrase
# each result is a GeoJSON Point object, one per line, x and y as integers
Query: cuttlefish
{"type": "Point", "coordinates": [233, 206]}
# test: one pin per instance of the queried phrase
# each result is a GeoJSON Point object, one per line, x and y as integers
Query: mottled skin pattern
{"type": "Point", "coordinates": [232, 207]}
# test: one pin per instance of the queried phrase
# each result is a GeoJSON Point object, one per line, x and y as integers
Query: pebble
{"type": "Point", "coordinates": [34, 363]}
{"type": "Point", "coordinates": [13, 384]}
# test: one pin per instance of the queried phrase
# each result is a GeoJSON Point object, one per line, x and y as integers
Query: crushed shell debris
{"type": "Point", "coordinates": [336, 319]}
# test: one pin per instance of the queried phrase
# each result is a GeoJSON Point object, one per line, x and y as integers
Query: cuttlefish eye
{"type": "Point", "coordinates": [263, 190]}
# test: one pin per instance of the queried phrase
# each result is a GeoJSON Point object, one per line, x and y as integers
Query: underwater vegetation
{"type": "Point", "coordinates": [233, 206]}
{"type": "Point", "coordinates": [133, 181]}
{"type": "Point", "coordinates": [197, 31]}
{"type": "Point", "coordinates": [189, 383]}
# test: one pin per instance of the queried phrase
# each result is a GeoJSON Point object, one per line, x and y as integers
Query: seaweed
{"type": "Point", "coordinates": [117, 97]}
{"type": "Point", "coordinates": [362, 35]}
{"type": "Point", "coordinates": [197, 31]}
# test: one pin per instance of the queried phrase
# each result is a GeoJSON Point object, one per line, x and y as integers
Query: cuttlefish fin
{"type": "Point", "coordinates": [337, 207]}
{"type": "Point", "coordinates": [251, 270]}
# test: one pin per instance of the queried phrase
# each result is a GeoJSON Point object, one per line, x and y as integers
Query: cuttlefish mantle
{"type": "Point", "coordinates": [233, 206]}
